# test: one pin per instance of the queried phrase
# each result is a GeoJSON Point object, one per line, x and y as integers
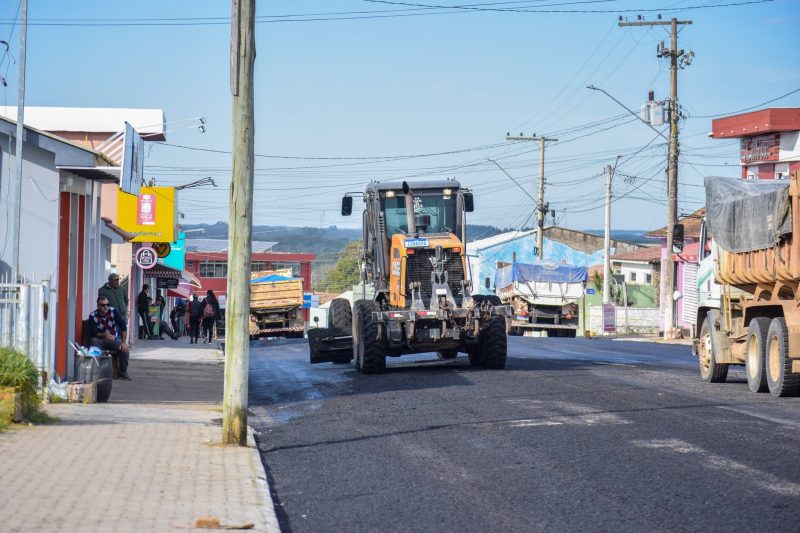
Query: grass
{"type": "Point", "coordinates": [18, 372]}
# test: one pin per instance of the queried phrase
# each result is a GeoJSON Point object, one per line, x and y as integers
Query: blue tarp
{"type": "Point", "coordinates": [539, 272]}
{"type": "Point", "coordinates": [271, 277]}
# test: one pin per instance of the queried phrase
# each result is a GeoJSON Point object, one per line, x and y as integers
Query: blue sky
{"type": "Point", "coordinates": [451, 81]}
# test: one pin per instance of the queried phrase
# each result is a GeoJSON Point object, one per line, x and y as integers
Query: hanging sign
{"type": "Point", "coordinates": [146, 257]}
{"type": "Point", "coordinates": [162, 249]}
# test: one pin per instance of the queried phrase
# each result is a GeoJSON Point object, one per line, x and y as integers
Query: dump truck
{"type": "Point", "coordinates": [748, 278]}
{"type": "Point", "coordinates": [276, 299]}
{"type": "Point", "coordinates": [414, 262]}
{"type": "Point", "coordinates": [544, 296]}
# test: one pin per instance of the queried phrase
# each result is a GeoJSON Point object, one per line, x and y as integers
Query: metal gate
{"type": "Point", "coordinates": [24, 321]}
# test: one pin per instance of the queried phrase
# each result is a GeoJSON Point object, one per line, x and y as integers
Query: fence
{"type": "Point", "coordinates": [635, 320]}
{"type": "Point", "coordinates": [24, 321]}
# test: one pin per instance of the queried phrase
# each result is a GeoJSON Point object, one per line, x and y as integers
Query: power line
{"type": "Point", "coordinates": [762, 104]}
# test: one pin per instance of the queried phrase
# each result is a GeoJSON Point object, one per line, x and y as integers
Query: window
{"type": "Point", "coordinates": [441, 209]}
{"type": "Point", "coordinates": [293, 265]}
{"type": "Point", "coordinates": [258, 266]}
{"type": "Point", "coordinates": [648, 278]}
{"type": "Point", "coordinates": [633, 277]}
{"type": "Point", "coordinates": [213, 269]}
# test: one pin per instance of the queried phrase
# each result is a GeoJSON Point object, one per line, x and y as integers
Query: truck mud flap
{"type": "Point", "coordinates": [330, 345]}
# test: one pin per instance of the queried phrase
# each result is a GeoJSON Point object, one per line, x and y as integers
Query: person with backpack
{"type": "Point", "coordinates": [195, 315]}
{"type": "Point", "coordinates": [210, 315]}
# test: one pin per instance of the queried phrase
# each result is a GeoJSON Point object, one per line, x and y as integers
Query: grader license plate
{"type": "Point", "coordinates": [416, 243]}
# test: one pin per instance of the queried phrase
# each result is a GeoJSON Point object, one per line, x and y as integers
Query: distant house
{"type": "Point", "coordinates": [638, 267]}
{"type": "Point", "coordinates": [684, 268]}
{"type": "Point", "coordinates": [561, 245]}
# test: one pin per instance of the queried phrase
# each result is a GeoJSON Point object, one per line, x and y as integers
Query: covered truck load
{"type": "Point", "coordinates": [544, 295]}
{"type": "Point", "coordinates": [751, 222]}
{"type": "Point", "coordinates": [275, 301]}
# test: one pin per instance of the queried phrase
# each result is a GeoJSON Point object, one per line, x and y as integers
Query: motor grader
{"type": "Point", "coordinates": [414, 261]}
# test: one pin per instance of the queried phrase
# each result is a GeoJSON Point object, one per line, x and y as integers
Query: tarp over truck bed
{"type": "Point", "coordinates": [747, 215]}
{"type": "Point", "coordinates": [542, 272]}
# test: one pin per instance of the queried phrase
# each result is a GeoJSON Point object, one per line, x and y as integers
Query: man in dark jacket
{"type": "Point", "coordinates": [109, 332]}
{"type": "Point", "coordinates": [195, 315]}
{"type": "Point", "coordinates": [116, 294]}
{"type": "Point", "coordinates": [143, 310]}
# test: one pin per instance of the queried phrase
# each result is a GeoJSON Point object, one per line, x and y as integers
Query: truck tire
{"type": "Point", "coordinates": [710, 370]}
{"type": "Point", "coordinates": [494, 344]}
{"type": "Point", "coordinates": [368, 351]}
{"type": "Point", "coordinates": [756, 354]}
{"type": "Point", "coordinates": [491, 298]}
{"type": "Point", "coordinates": [340, 315]}
{"type": "Point", "coordinates": [780, 379]}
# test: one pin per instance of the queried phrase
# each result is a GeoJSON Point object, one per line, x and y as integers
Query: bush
{"type": "Point", "coordinates": [17, 371]}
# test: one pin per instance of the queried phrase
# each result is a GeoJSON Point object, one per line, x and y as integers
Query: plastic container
{"type": "Point", "coordinates": [96, 370]}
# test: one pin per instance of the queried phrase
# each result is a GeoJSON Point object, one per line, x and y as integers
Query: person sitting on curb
{"type": "Point", "coordinates": [109, 332]}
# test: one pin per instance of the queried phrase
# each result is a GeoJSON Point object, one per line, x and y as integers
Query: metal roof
{"type": "Point", "coordinates": [221, 245]}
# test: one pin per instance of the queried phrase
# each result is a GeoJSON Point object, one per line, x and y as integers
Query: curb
{"type": "Point", "coordinates": [262, 485]}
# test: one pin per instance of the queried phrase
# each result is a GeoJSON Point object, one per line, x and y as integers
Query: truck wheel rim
{"type": "Point", "coordinates": [774, 357]}
{"type": "Point", "coordinates": [753, 359]}
{"type": "Point", "coordinates": [705, 352]}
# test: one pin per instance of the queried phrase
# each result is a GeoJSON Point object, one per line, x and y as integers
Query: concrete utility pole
{"type": "Point", "coordinates": [540, 205]}
{"type": "Point", "coordinates": [237, 312]}
{"type": "Point", "coordinates": [672, 163]}
{"type": "Point", "coordinates": [607, 241]}
{"type": "Point", "coordinates": [15, 191]}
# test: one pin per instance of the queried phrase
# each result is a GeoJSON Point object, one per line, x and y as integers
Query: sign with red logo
{"type": "Point", "coordinates": [146, 210]}
{"type": "Point", "coordinates": [760, 148]}
{"type": "Point", "coordinates": [146, 257]}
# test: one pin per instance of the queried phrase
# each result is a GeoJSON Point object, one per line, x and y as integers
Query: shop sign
{"type": "Point", "coordinates": [760, 148]}
{"type": "Point", "coordinates": [609, 318]}
{"type": "Point", "coordinates": [150, 216]}
{"type": "Point", "coordinates": [162, 249]}
{"type": "Point", "coordinates": [167, 283]}
{"type": "Point", "coordinates": [146, 257]}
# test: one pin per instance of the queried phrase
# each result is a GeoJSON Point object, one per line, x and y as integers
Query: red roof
{"type": "Point", "coordinates": [649, 254]}
{"type": "Point", "coordinates": [770, 120]}
{"type": "Point", "coordinates": [691, 225]}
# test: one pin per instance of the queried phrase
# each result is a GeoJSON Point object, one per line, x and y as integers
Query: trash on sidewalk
{"type": "Point", "coordinates": [212, 522]}
{"type": "Point", "coordinates": [82, 392]}
{"type": "Point", "coordinates": [95, 366]}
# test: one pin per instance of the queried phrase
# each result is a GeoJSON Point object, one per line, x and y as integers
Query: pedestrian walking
{"type": "Point", "coordinates": [210, 315]}
{"type": "Point", "coordinates": [195, 315]}
{"type": "Point", "coordinates": [143, 310]}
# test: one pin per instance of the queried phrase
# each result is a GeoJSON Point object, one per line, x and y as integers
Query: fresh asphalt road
{"type": "Point", "coordinates": [575, 435]}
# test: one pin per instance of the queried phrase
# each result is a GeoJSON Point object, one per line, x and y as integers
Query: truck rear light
{"type": "Point", "coordinates": [395, 315]}
{"type": "Point", "coordinates": [457, 250]}
{"type": "Point", "coordinates": [410, 251]}
{"type": "Point", "coordinates": [426, 313]}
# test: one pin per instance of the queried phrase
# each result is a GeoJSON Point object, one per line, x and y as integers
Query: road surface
{"type": "Point", "coordinates": [575, 435]}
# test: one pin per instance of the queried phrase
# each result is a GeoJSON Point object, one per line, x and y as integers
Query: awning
{"type": "Point", "coordinates": [184, 290]}
{"type": "Point", "coordinates": [190, 278]}
{"type": "Point", "coordinates": [163, 271]}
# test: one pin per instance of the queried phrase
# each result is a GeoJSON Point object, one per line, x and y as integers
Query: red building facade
{"type": "Point", "coordinates": [211, 268]}
{"type": "Point", "coordinates": [769, 141]}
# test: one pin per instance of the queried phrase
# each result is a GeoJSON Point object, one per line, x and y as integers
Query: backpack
{"type": "Point", "coordinates": [208, 311]}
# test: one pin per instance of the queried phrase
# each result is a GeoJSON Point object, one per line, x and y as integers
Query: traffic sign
{"type": "Point", "coordinates": [591, 291]}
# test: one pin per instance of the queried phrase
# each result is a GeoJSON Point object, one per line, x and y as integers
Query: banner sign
{"type": "Point", "coordinates": [132, 161]}
{"type": "Point", "coordinates": [609, 318]}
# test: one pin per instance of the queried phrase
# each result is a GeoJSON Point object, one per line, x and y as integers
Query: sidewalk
{"type": "Point", "coordinates": [149, 460]}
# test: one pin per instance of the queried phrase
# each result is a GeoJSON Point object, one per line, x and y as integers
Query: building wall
{"type": "Point", "coordinates": [586, 242]}
{"type": "Point", "coordinates": [641, 270]}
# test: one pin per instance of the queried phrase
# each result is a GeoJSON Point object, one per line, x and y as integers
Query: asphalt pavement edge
{"type": "Point", "coordinates": [262, 483]}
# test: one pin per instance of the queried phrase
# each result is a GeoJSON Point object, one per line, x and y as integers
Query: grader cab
{"type": "Point", "coordinates": [415, 262]}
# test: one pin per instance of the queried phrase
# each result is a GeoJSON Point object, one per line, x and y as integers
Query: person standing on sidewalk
{"type": "Point", "coordinates": [109, 332]}
{"type": "Point", "coordinates": [195, 315]}
{"type": "Point", "coordinates": [143, 310]}
{"type": "Point", "coordinates": [116, 294]}
{"type": "Point", "coordinates": [210, 316]}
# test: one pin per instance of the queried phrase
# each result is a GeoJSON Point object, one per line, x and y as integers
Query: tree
{"type": "Point", "coordinates": [346, 272]}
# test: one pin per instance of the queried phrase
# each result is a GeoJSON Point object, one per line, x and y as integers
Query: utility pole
{"type": "Point", "coordinates": [15, 191]}
{"type": "Point", "coordinates": [672, 163]}
{"type": "Point", "coordinates": [237, 312]}
{"type": "Point", "coordinates": [541, 207]}
{"type": "Point", "coordinates": [607, 241]}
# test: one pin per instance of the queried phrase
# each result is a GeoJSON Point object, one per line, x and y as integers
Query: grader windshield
{"type": "Point", "coordinates": [440, 207]}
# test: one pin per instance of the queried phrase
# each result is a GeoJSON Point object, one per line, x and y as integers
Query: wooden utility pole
{"type": "Point", "coordinates": [541, 207]}
{"type": "Point", "coordinates": [237, 312]}
{"type": "Point", "coordinates": [672, 163]}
